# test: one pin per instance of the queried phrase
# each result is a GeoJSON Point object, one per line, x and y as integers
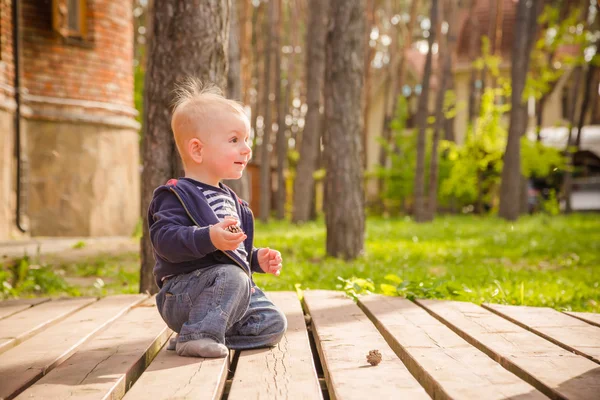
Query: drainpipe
{"type": "Point", "coordinates": [22, 161]}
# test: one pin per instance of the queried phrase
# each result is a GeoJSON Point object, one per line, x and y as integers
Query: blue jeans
{"type": "Point", "coordinates": [218, 303]}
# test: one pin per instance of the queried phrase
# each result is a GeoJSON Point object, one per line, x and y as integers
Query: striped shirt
{"type": "Point", "coordinates": [223, 205]}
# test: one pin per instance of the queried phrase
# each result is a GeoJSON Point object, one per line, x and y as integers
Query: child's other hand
{"type": "Point", "coordinates": [222, 239]}
{"type": "Point", "coordinates": [269, 260]}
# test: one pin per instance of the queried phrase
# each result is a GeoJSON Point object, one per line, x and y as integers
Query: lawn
{"type": "Point", "coordinates": [539, 260]}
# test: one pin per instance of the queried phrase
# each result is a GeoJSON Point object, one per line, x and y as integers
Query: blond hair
{"type": "Point", "coordinates": [194, 103]}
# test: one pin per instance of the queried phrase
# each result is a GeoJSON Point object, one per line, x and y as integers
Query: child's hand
{"type": "Point", "coordinates": [223, 239]}
{"type": "Point", "coordinates": [269, 260]}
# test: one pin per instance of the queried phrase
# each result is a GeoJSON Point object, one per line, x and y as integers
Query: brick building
{"type": "Point", "coordinates": [69, 147]}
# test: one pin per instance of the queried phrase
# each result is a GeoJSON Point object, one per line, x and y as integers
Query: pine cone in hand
{"type": "Point", "coordinates": [234, 229]}
{"type": "Point", "coordinates": [374, 357]}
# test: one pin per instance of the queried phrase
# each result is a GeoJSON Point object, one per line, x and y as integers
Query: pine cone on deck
{"type": "Point", "coordinates": [374, 357]}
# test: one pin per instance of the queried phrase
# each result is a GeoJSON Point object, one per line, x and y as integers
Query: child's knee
{"type": "Point", "coordinates": [174, 308]}
{"type": "Point", "coordinates": [281, 325]}
{"type": "Point", "coordinates": [276, 327]}
{"type": "Point", "coordinates": [234, 278]}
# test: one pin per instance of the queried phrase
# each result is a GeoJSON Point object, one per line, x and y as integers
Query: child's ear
{"type": "Point", "coordinates": [195, 147]}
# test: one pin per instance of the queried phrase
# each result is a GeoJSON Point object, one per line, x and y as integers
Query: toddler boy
{"type": "Point", "coordinates": [202, 235]}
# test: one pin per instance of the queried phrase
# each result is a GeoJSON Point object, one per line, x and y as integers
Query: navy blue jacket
{"type": "Point", "coordinates": [179, 218]}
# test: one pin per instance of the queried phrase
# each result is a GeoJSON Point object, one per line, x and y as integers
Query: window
{"type": "Point", "coordinates": [69, 18]}
{"type": "Point", "coordinates": [74, 15]}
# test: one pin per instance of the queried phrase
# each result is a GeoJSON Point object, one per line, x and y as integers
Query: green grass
{"type": "Point", "coordinates": [100, 275]}
{"type": "Point", "coordinates": [539, 260]}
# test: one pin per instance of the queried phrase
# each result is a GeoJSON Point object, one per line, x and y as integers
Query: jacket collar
{"type": "Point", "coordinates": [197, 207]}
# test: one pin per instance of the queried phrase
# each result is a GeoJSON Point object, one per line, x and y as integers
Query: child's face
{"type": "Point", "coordinates": [226, 150]}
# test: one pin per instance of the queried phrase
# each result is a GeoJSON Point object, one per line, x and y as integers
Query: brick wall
{"type": "Point", "coordinates": [99, 68]}
{"type": "Point", "coordinates": [6, 50]}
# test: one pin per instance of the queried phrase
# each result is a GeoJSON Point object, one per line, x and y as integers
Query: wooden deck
{"type": "Point", "coordinates": [114, 347]}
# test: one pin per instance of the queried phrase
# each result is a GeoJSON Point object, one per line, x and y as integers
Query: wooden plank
{"type": "Point", "coordinates": [444, 363]}
{"type": "Point", "coordinates": [23, 365]}
{"type": "Point", "coordinates": [344, 336]}
{"type": "Point", "coordinates": [553, 370]}
{"type": "Point", "coordinates": [107, 365]}
{"type": "Point", "coordinates": [10, 307]}
{"type": "Point", "coordinates": [286, 371]}
{"type": "Point", "coordinates": [590, 318]}
{"type": "Point", "coordinates": [569, 333]}
{"type": "Point", "coordinates": [19, 327]}
{"type": "Point", "coordinates": [172, 377]}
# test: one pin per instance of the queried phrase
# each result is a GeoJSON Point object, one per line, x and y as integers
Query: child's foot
{"type": "Point", "coordinates": [202, 348]}
{"type": "Point", "coordinates": [172, 343]}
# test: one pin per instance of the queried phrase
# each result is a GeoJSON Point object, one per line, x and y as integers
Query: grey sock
{"type": "Point", "coordinates": [172, 343]}
{"type": "Point", "coordinates": [202, 348]}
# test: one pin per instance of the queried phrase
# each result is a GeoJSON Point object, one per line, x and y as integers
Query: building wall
{"type": "Point", "coordinates": [79, 133]}
{"type": "Point", "coordinates": [7, 172]}
{"type": "Point", "coordinates": [97, 68]}
{"type": "Point", "coordinates": [553, 111]}
{"type": "Point", "coordinates": [461, 85]}
{"type": "Point", "coordinates": [7, 107]}
{"type": "Point", "coordinates": [84, 179]}
{"type": "Point", "coordinates": [6, 50]}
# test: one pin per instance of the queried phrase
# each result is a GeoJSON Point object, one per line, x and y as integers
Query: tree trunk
{"type": "Point", "coordinates": [398, 82]}
{"type": "Point", "coordinates": [498, 27]}
{"type": "Point", "coordinates": [542, 102]}
{"type": "Point", "coordinates": [491, 35]}
{"type": "Point", "coordinates": [567, 184]}
{"type": "Point", "coordinates": [311, 137]}
{"type": "Point", "coordinates": [495, 37]}
{"type": "Point", "coordinates": [479, 200]}
{"type": "Point", "coordinates": [510, 187]}
{"type": "Point", "coordinates": [473, 51]}
{"type": "Point", "coordinates": [366, 97]}
{"type": "Point", "coordinates": [256, 74]}
{"type": "Point", "coordinates": [386, 133]}
{"type": "Point", "coordinates": [234, 91]}
{"type": "Point", "coordinates": [265, 153]}
{"type": "Point", "coordinates": [282, 153]}
{"type": "Point", "coordinates": [446, 72]}
{"type": "Point", "coordinates": [531, 38]}
{"type": "Point", "coordinates": [200, 31]}
{"type": "Point", "coordinates": [585, 103]}
{"type": "Point", "coordinates": [449, 132]}
{"type": "Point", "coordinates": [234, 77]}
{"type": "Point", "coordinates": [498, 31]}
{"type": "Point", "coordinates": [281, 104]}
{"type": "Point", "coordinates": [344, 196]}
{"type": "Point", "coordinates": [573, 147]}
{"type": "Point", "coordinates": [419, 200]}
{"type": "Point", "coordinates": [568, 181]}
{"type": "Point", "coordinates": [246, 56]}
{"type": "Point", "coordinates": [594, 118]}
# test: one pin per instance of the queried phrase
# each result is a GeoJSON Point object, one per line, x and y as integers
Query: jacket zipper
{"type": "Point", "coordinates": [198, 225]}
{"type": "Point", "coordinates": [252, 246]}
